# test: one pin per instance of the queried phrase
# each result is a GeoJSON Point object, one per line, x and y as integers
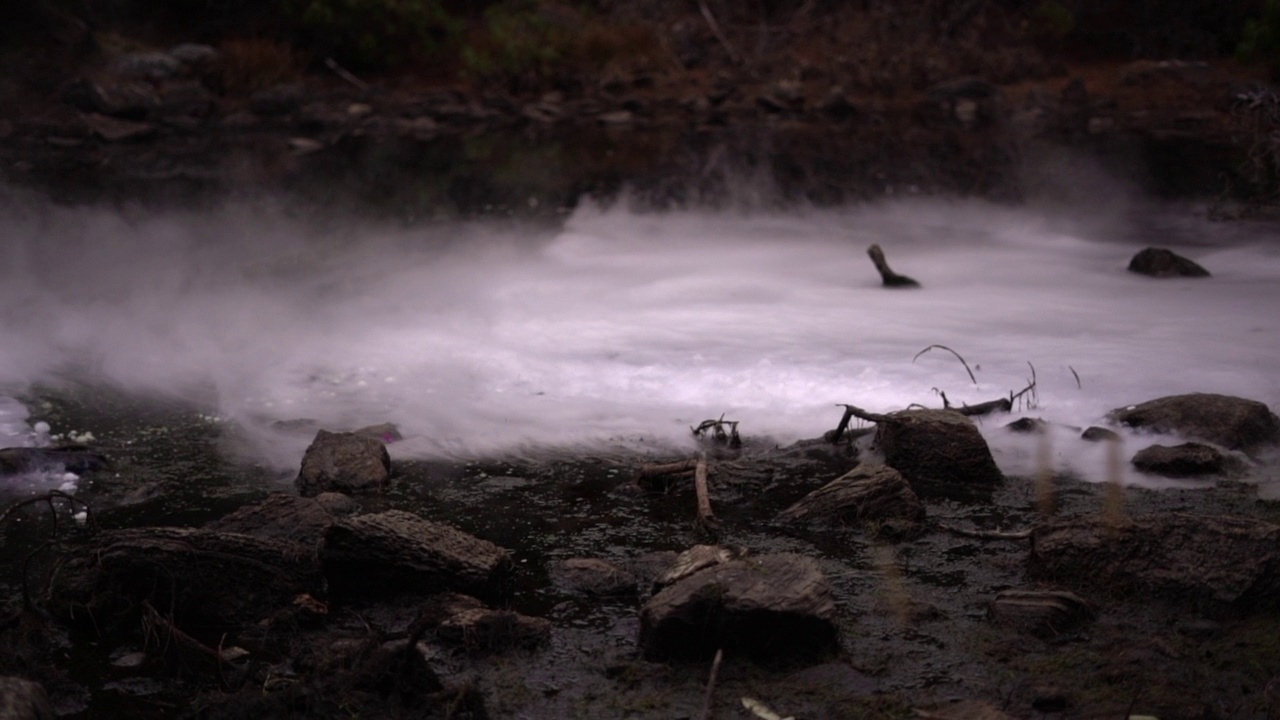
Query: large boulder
{"type": "Point", "coordinates": [397, 551]}
{"type": "Point", "coordinates": [345, 462]}
{"type": "Point", "coordinates": [1162, 263]}
{"type": "Point", "coordinates": [1232, 422]}
{"type": "Point", "coordinates": [203, 578]}
{"type": "Point", "coordinates": [865, 494]}
{"type": "Point", "coordinates": [23, 700]}
{"type": "Point", "coordinates": [771, 607]}
{"type": "Point", "coordinates": [936, 447]}
{"type": "Point", "coordinates": [1210, 561]}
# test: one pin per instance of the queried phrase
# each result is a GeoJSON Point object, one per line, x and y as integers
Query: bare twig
{"type": "Point", "coordinates": [715, 30]}
{"type": "Point", "coordinates": [711, 685]}
{"type": "Point", "coordinates": [1077, 377]}
{"type": "Point", "coordinates": [953, 352]}
{"type": "Point", "coordinates": [345, 75]}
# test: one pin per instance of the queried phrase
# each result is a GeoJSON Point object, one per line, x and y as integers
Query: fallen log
{"type": "Point", "coordinates": [706, 518]}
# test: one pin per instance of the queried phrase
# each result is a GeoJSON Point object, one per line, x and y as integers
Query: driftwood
{"type": "Point", "coordinates": [658, 478]}
{"type": "Point", "coordinates": [706, 518]}
{"type": "Point", "coordinates": [985, 534]}
{"type": "Point", "coordinates": [887, 275]}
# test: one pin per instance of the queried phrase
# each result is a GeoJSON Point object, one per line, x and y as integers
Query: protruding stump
{"type": "Point", "coordinates": [887, 275]}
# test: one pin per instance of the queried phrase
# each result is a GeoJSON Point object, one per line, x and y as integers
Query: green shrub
{"type": "Point", "coordinates": [376, 34]}
{"type": "Point", "coordinates": [1260, 41]}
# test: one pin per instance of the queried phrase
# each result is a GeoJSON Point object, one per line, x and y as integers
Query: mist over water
{"type": "Point", "coordinates": [619, 327]}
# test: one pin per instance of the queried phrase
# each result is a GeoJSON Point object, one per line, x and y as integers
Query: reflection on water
{"type": "Point", "coordinates": [627, 327]}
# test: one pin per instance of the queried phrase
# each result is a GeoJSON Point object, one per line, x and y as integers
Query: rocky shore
{"type": "Point", "coordinates": [891, 574]}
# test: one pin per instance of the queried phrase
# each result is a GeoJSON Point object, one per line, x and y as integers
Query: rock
{"type": "Point", "coordinates": [397, 551]}
{"type": "Point", "coordinates": [1187, 460]}
{"type": "Point", "coordinates": [467, 622]}
{"type": "Point", "coordinates": [936, 447]}
{"type": "Point", "coordinates": [131, 101]}
{"type": "Point", "coordinates": [1162, 263]}
{"type": "Point", "coordinates": [187, 99]}
{"type": "Point", "coordinates": [961, 710]}
{"type": "Point", "coordinates": [1040, 612]}
{"type": "Point", "coordinates": [591, 576]}
{"type": "Point", "coordinates": [343, 462]}
{"type": "Point", "coordinates": [23, 700]}
{"type": "Point", "coordinates": [836, 104]}
{"type": "Point", "coordinates": [277, 100]}
{"type": "Point", "coordinates": [1097, 434]}
{"type": "Point", "coordinates": [1212, 562]}
{"type": "Point", "coordinates": [1232, 422]}
{"type": "Point", "coordinates": [1028, 425]}
{"type": "Point", "coordinates": [971, 102]}
{"type": "Point", "coordinates": [864, 494]}
{"type": "Point", "coordinates": [194, 54]}
{"type": "Point", "coordinates": [116, 130]}
{"type": "Point", "coordinates": [696, 559]}
{"type": "Point", "coordinates": [775, 607]}
{"type": "Point", "coordinates": [280, 516]}
{"type": "Point", "coordinates": [205, 578]}
{"type": "Point", "coordinates": [151, 66]}
{"type": "Point", "coordinates": [616, 117]}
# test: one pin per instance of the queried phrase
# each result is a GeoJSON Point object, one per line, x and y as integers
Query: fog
{"type": "Point", "coordinates": [622, 328]}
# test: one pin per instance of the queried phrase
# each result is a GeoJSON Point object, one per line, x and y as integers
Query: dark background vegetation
{"type": "Point", "coordinates": [522, 44]}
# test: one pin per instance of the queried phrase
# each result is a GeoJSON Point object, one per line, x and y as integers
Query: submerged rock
{"type": "Point", "coordinates": [1040, 612]}
{"type": "Point", "coordinates": [280, 516]}
{"type": "Point", "coordinates": [1162, 263]}
{"type": "Point", "coordinates": [1187, 460]}
{"type": "Point", "coordinates": [343, 462]}
{"type": "Point", "coordinates": [29, 459]}
{"type": "Point", "coordinates": [397, 551]}
{"type": "Point", "coordinates": [1209, 561]}
{"type": "Point", "coordinates": [772, 607]}
{"type": "Point", "coordinates": [1232, 422]}
{"type": "Point", "coordinates": [592, 576]}
{"type": "Point", "coordinates": [466, 621]}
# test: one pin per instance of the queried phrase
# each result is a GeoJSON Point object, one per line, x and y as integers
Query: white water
{"type": "Point", "coordinates": [630, 327]}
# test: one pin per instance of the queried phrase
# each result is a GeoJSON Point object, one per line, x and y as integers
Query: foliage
{"type": "Point", "coordinates": [1261, 39]}
{"type": "Point", "coordinates": [375, 34]}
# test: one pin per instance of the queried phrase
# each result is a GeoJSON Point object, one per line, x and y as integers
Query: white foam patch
{"type": "Point", "coordinates": [627, 326]}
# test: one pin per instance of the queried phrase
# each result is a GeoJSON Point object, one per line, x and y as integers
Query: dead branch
{"type": "Point", "coordinates": [711, 684]}
{"type": "Point", "coordinates": [985, 408]}
{"type": "Point", "coordinates": [953, 352]}
{"type": "Point", "coordinates": [1077, 377]}
{"type": "Point", "coordinates": [888, 277]}
{"type": "Point", "coordinates": [648, 472]}
{"type": "Point", "coordinates": [49, 497]}
{"type": "Point", "coordinates": [170, 638]}
{"type": "Point", "coordinates": [985, 534]}
{"type": "Point", "coordinates": [715, 30]}
{"type": "Point", "coordinates": [717, 427]}
{"type": "Point", "coordinates": [706, 518]}
{"type": "Point", "coordinates": [854, 411]}
{"type": "Point", "coordinates": [1030, 388]}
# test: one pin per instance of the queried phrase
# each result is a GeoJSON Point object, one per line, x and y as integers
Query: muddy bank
{"type": "Point", "coordinates": [918, 618]}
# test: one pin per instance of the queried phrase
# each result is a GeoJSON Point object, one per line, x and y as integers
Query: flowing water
{"type": "Point", "coordinates": [616, 327]}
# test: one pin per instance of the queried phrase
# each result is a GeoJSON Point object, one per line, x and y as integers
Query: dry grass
{"type": "Point", "coordinates": [247, 66]}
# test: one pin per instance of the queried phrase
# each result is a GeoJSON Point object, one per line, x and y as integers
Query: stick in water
{"type": "Point", "coordinates": [888, 276]}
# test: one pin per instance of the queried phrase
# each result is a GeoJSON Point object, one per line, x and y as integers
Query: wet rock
{"type": "Point", "coordinates": [1187, 460]}
{"type": "Point", "coordinates": [591, 576]}
{"type": "Point", "coordinates": [1212, 562]}
{"type": "Point", "coordinates": [961, 710]}
{"type": "Point", "coordinates": [864, 494]}
{"type": "Point", "coordinates": [696, 559]}
{"type": "Point", "coordinates": [772, 607]}
{"type": "Point", "coordinates": [29, 459]}
{"type": "Point", "coordinates": [116, 130]}
{"type": "Point", "coordinates": [277, 100]}
{"type": "Point", "coordinates": [127, 100]}
{"type": "Point", "coordinates": [23, 700]}
{"type": "Point", "coordinates": [397, 551]}
{"type": "Point", "coordinates": [343, 462]}
{"type": "Point", "coordinates": [970, 102]}
{"type": "Point", "coordinates": [1232, 422]}
{"type": "Point", "coordinates": [151, 66]}
{"type": "Point", "coordinates": [936, 448]}
{"type": "Point", "coordinates": [1040, 612]}
{"type": "Point", "coordinates": [186, 100]}
{"type": "Point", "coordinates": [1094, 433]}
{"type": "Point", "coordinates": [1028, 425]}
{"type": "Point", "coordinates": [468, 622]}
{"type": "Point", "coordinates": [280, 516]}
{"type": "Point", "coordinates": [205, 578]}
{"type": "Point", "coordinates": [194, 54]}
{"type": "Point", "coordinates": [836, 104]}
{"type": "Point", "coordinates": [1162, 263]}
